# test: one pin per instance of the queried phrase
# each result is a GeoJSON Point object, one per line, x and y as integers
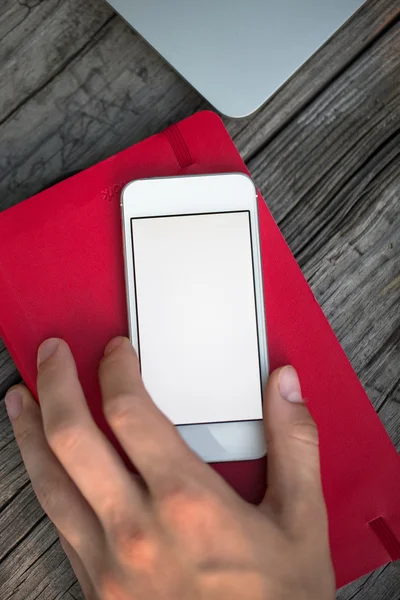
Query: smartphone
{"type": "Point", "coordinates": [196, 307]}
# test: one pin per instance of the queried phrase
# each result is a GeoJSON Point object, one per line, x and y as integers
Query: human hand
{"type": "Point", "coordinates": [180, 532]}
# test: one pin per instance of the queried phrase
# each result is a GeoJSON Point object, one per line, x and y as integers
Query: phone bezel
{"type": "Point", "coordinates": [199, 194]}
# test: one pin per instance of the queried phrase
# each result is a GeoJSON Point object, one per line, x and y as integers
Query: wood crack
{"type": "Point", "coordinates": [351, 207]}
{"type": "Point", "coordinates": [5, 446]}
{"type": "Point", "coordinates": [14, 496]}
{"type": "Point", "coordinates": [26, 534]}
{"type": "Point", "coordinates": [367, 580]}
{"type": "Point", "coordinates": [261, 147]}
{"type": "Point", "coordinates": [62, 67]}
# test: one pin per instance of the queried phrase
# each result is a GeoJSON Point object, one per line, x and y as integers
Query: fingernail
{"type": "Point", "coordinates": [46, 349]}
{"type": "Point", "coordinates": [13, 404]}
{"type": "Point", "coordinates": [289, 385]}
{"type": "Point", "coordinates": [113, 344]}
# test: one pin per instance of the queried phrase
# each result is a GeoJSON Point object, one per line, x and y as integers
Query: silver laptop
{"type": "Point", "coordinates": [236, 53]}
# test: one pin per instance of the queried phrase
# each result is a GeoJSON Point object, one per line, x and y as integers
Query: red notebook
{"type": "Point", "coordinates": [63, 276]}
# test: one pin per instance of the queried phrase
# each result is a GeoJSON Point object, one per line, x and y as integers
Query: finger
{"type": "Point", "coordinates": [147, 436]}
{"type": "Point", "coordinates": [57, 494]}
{"type": "Point", "coordinates": [80, 446]}
{"type": "Point", "coordinates": [294, 480]}
{"type": "Point", "coordinates": [78, 568]}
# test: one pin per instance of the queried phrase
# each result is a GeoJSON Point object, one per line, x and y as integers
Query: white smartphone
{"type": "Point", "coordinates": [196, 307]}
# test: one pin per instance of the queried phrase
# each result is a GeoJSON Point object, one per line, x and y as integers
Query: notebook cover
{"type": "Point", "coordinates": [62, 275]}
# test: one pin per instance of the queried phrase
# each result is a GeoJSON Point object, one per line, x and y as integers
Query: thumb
{"type": "Point", "coordinates": [294, 480]}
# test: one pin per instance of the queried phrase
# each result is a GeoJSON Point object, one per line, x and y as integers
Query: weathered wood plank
{"type": "Point", "coordinates": [53, 581]}
{"type": "Point", "coordinates": [382, 584]}
{"type": "Point", "coordinates": [18, 518]}
{"type": "Point", "coordinates": [113, 94]}
{"type": "Point", "coordinates": [329, 274]}
{"type": "Point", "coordinates": [6, 433]}
{"type": "Point", "coordinates": [319, 71]}
{"type": "Point", "coordinates": [44, 574]}
{"type": "Point", "coordinates": [30, 59]}
{"type": "Point", "coordinates": [348, 192]}
{"type": "Point", "coordinates": [390, 411]}
{"type": "Point", "coordinates": [8, 372]}
{"type": "Point", "coordinates": [13, 476]}
{"type": "Point", "coordinates": [20, 511]}
{"type": "Point", "coordinates": [331, 180]}
{"type": "Point", "coordinates": [115, 90]}
{"type": "Point", "coordinates": [353, 282]}
{"type": "Point", "coordinates": [302, 171]}
{"type": "Point", "coordinates": [27, 570]}
{"type": "Point", "coordinates": [74, 593]}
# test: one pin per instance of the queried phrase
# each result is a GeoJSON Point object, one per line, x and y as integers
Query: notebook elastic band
{"type": "Point", "coordinates": [179, 146]}
{"type": "Point", "coordinates": [386, 536]}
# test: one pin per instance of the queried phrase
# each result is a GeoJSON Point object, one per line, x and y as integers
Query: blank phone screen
{"type": "Point", "coordinates": [196, 316]}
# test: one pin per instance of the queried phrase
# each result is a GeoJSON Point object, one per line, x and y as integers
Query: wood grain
{"type": "Point", "coordinates": [29, 59]}
{"type": "Point", "coordinates": [111, 92]}
{"type": "Point", "coordinates": [80, 85]}
{"type": "Point", "coordinates": [34, 565]}
{"type": "Point", "coordinates": [331, 180]}
{"type": "Point", "coordinates": [74, 593]}
{"type": "Point", "coordinates": [100, 96]}
{"type": "Point", "coordinates": [350, 41]}
{"type": "Point", "coordinates": [13, 476]}
{"type": "Point", "coordinates": [8, 372]}
{"type": "Point", "coordinates": [114, 93]}
{"type": "Point", "coordinates": [18, 518]}
{"type": "Point", "coordinates": [353, 283]}
{"type": "Point", "coordinates": [382, 584]}
{"type": "Point", "coordinates": [302, 171]}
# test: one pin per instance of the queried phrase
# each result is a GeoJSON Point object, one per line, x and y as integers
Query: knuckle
{"type": "Point", "coordinates": [107, 584]}
{"type": "Point", "coordinates": [108, 363]}
{"type": "Point", "coordinates": [25, 436]}
{"type": "Point", "coordinates": [188, 507]}
{"type": "Point", "coordinates": [48, 375]}
{"type": "Point", "coordinates": [48, 498]}
{"type": "Point", "coordinates": [64, 437]}
{"type": "Point", "coordinates": [119, 408]}
{"type": "Point", "coordinates": [197, 519]}
{"type": "Point", "coordinates": [305, 432]}
{"type": "Point", "coordinates": [118, 361]}
{"type": "Point", "coordinates": [307, 518]}
{"type": "Point", "coordinates": [136, 546]}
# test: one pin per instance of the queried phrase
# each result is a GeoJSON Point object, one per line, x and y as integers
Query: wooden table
{"type": "Point", "coordinates": [77, 85]}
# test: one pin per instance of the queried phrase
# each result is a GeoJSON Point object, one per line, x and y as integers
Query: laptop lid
{"type": "Point", "coordinates": [236, 53]}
